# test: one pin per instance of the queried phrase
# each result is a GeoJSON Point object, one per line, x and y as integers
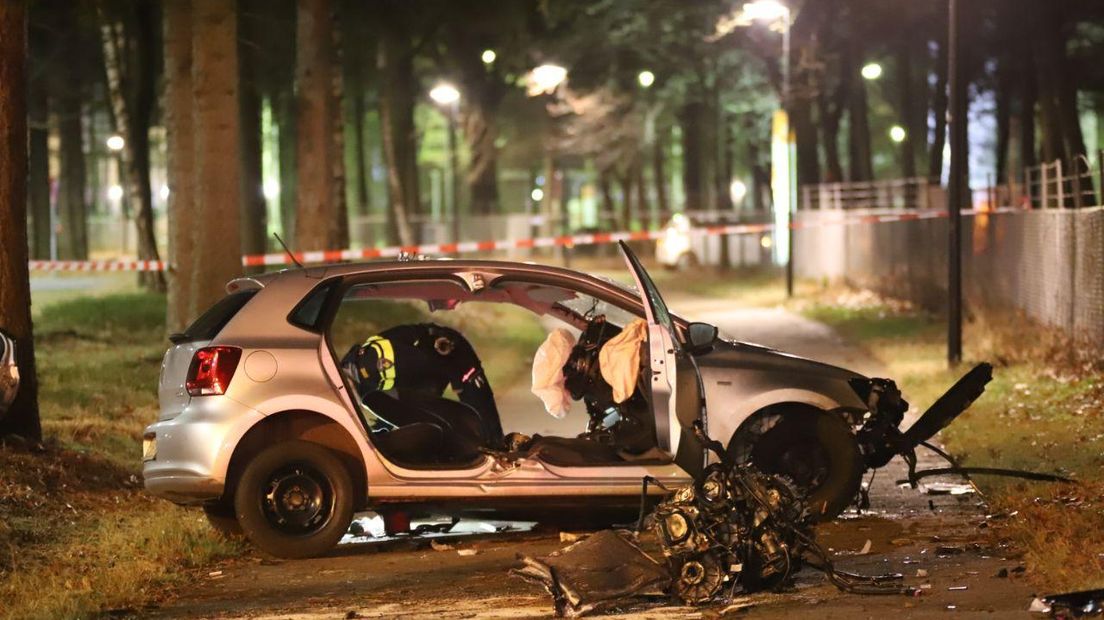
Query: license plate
{"type": "Point", "coordinates": [149, 448]}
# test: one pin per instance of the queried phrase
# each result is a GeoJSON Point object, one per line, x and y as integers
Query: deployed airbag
{"type": "Point", "coordinates": [548, 377]}
{"type": "Point", "coordinates": [619, 359]}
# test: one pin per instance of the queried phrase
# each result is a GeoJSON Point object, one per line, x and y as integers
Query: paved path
{"type": "Point", "coordinates": [905, 527]}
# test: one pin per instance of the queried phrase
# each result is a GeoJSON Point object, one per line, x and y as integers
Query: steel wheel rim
{"type": "Point", "coordinates": [297, 499]}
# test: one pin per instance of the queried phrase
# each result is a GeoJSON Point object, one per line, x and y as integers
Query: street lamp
{"type": "Point", "coordinates": [871, 71]}
{"type": "Point", "coordinates": [116, 143]}
{"type": "Point", "coordinates": [448, 97]}
{"type": "Point", "coordinates": [488, 56]}
{"type": "Point", "coordinates": [645, 78]}
{"type": "Point", "coordinates": [544, 79]}
{"type": "Point", "coordinates": [897, 133]}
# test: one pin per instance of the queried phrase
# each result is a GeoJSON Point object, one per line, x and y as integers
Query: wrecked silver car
{"type": "Point", "coordinates": [309, 394]}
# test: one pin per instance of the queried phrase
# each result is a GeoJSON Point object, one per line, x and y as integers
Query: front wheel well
{"type": "Point", "coordinates": [302, 425]}
{"type": "Point", "coordinates": [743, 439]}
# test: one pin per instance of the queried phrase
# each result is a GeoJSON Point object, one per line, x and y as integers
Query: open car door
{"type": "Point", "coordinates": [674, 383]}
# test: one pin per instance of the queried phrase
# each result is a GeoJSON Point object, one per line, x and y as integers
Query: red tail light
{"type": "Point", "coordinates": [211, 370]}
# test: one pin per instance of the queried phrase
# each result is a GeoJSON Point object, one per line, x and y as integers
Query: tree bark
{"type": "Point", "coordinates": [830, 110]}
{"type": "Point", "coordinates": [659, 171]}
{"type": "Point", "coordinates": [128, 56]}
{"type": "Point", "coordinates": [15, 291]}
{"type": "Point", "coordinates": [859, 153]}
{"type": "Point", "coordinates": [39, 159]}
{"type": "Point", "coordinates": [318, 158]}
{"type": "Point", "coordinates": [178, 109]}
{"type": "Point", "coordinates": [215, 83]}
{"type": "Point", "coordinates": [396, 71]}
{"type": "Point", "coordinates": [1003, 96]}
{"type": "Point", "coordinates": [72, 178]}
{"type": "Point", "coordinates": [284, 106]}
{"type": "Point", "coordinates": [254, 210]}
{"type": "Point", "coordinates": [939, 110]}
{"type": "Point", "coordinates": [1028, 101]}
{"type": "Point", "coordinates": [907, 103]}
{"type": "Point", "coordinates": [692, 174]}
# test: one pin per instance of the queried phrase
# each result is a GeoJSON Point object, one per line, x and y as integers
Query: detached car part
{"type": "Point", "coordinates": [9, 373]}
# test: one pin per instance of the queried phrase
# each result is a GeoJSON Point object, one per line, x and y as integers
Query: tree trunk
{"type": "Point", "coordinates": [481, 131]}
{"type": "Point", "coordinates": [1003, 96]}
{"type": "Point", "coordinates": [71, 186]}
{"type": "Point", "coordinates": [858, 142]}
{"type": "Point", "coordinates": [15, 293]}
{"type": "Point", "coordinates": [659, 171]}
{"type": "Point", "coordinates": [609, 209]}
{"type": "Point", "coordinates": [318, 158]}
{"type": "Point", "coordinates": [254, 210]}
{"type": "Point", "coordinates": [939, 111]}
{"type": "Point", "coordinates": [215, 82]}
{"type": "Point", "coordinates": [643, 206]}
{"type": "Point", "coordinates": [284, 106]}
{"type": "Point", "coordinates": [830, 110]}
{"type": "Point", "coordinates": [39, 163]}
{"type": "Point", "coordinates": [692, 174]}
{"type": "Point", "coordinates": [805, 137]}
{"type": "Point", "coordinates": [339, 230]}
{"type": "Point", "coordinates": [128, 56]}
{"type": "Point", "coordinates": [396, 71]}
{"type": "Point", "coordinates": [362, 172]}
{"type": "Point", "coordinates": [1028, 100]}
{"type": "Point", "coordinates": [907, 105]}
{"type": "Point", "coordinates": [180, 161]}
{"type": "Point", "coordinates": [625, 218]}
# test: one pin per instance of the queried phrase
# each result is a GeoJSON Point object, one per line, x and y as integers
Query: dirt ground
{"type": "Point", "coordinates": [934, 540]}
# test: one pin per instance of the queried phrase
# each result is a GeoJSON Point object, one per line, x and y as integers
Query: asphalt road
{"type": "Point", "coordinates": [934, 540]}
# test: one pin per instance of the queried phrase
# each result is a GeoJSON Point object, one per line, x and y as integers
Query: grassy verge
{"type": "Point", "coordinates": [1043, 411]}
{"type": "Point", "coordinates": [77, 533]}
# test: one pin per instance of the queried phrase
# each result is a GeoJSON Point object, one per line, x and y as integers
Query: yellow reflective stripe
{"type": "Point", "coordinates": [384, 351]}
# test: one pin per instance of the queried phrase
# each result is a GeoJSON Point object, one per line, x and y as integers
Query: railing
{"type": "Point", "coordinates": [910, 193]}
{"type": "Point", "coordinates": [1060, 185]}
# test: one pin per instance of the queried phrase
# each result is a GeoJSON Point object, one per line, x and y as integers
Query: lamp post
{"type": "Point", "coordinates": [448, 97]}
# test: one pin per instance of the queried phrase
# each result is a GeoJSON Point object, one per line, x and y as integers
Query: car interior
{"type": "Point", "coordinates": [436, 432]}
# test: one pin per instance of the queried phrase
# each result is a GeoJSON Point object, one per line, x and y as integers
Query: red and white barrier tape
{"type": "Point", "coordinates": [467, 247]}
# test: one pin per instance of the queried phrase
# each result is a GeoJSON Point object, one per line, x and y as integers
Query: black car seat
{"type": "Point", "coordinates": [468, 423]}
{"type": "Point", "coordinates": [459, 439]}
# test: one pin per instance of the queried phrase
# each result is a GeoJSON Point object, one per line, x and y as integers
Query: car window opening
{"type": "Point", "coordinates": [444, 375]}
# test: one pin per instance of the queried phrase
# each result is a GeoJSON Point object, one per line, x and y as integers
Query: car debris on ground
{"type": "Point", "coordinates": [733, 529]}
{"type": "Point", "coordinates": [1071, 605]}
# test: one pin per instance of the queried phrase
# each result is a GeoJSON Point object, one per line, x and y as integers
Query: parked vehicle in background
{"type": "Point", "coordinates": [9, 373]}
{"type": "Point", "coordinates": [686, 243]}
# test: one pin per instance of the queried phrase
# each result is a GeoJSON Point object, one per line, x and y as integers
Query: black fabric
{"type": "Point", "coordinates": [465, 419]}
{"type": "Point", "coordinates": [415, 443]}
{"type": "Point", "coordinates": [571, 452]}
{"type": "Point", "coordinates": [428, 358]}
{"type": "Point", "coordinates": [459, 429]}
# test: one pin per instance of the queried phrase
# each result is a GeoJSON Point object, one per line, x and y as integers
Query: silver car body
{"type": "Point", "coordinates": [288, 372]}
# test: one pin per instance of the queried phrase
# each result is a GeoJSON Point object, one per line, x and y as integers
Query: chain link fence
{"type": "Point", "coordinates": [1047, 263]}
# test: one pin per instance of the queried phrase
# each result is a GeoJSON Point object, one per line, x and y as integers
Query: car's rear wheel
{"type": "Point", "coordinates": [222, 519]}
{"type": "Point", "coordinates": [294, 500]}
{"type": "Point", "coordinates": [818, 453]}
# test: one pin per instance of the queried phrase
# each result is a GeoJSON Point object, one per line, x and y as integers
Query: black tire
{"type": "Point", "coordinates": [294, 500]}
{"type": "Point", "coordinates": [222, 519]}
{"type": "Point", "coordinates": [818, 453]}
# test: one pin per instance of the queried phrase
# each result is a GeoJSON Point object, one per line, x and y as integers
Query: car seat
{"type": "Point", "coordinates": [455, 439]}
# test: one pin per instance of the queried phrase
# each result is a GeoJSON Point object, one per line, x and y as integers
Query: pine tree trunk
{"type": "Point", "coordinates": [939, 111]}
{"type": "Point", "coordinates": [397, 127]}
{"type": "Point", "coordinates": [1028, 100]}
{"type": "Point", "coordinates": [215, 83]}
{"type": "Point", "coordinates": [15, 292]}
{"type": "Point", "coordinates": [362, 173]}
{"type": "Point", "coordinates": [858, 142]}
{"type": "Point", "coordinates": [317, 156]}
{"type": "Point", "coordinates": [254, 210]}
{"type": "Point", "coordinates": [659, 171]}
{"type": "Point", "coordinates": [692, 174]}
{"type": "Point", "coordinates": [39, 174]}
{"type": "Point", "coordinates": [339, 230]}
{"type": "Point", "coordinates": [285, 125]}
{"type": "Point", "coordinates": [180, 153]}
{"type": "Point", "coordinates": [481, 131]}
{"type": "Point", "coordinates": [71, 186]}
{"type": "Point", "coordinates": [643, 206]}
{"type": "Point", "coordinates": [907, 105]}
{"type": "Point", "coordinates": [128, 56]}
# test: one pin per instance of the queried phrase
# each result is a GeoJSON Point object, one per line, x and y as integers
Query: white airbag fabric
{"type": "Point", "coordinates": [619, 359]}
{"type": "Point", "coordinates": [548, 377]}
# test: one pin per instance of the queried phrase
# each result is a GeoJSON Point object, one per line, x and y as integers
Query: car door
{"type": "Point", "coordinates": [674, 385]}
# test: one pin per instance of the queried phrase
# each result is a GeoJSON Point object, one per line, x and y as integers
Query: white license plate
{"type": "Point", "coordinates": [149, 448]}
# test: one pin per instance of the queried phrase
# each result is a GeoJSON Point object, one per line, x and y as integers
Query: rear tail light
{"type": "Point", "coordinates": [211, 370]}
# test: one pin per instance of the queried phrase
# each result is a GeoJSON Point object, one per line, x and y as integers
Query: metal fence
{"type": "Point", "coordinates": [911, 193]}
{"type": "Point", "coordinates": [1047, 263]}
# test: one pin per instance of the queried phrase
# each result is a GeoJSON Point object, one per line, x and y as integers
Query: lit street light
{"type": "Point", "coordinates": [537, 194]}
{"type": "Point", "coordinates": [645, 78]}
{"type": "Point", "coordinates": [766, 11]}
{"type": "Point", "coordinates": [871, 71]}
{"type": "Point", "coordinates": [897, 133]}
{"type": "Point", "coordinates": [488, 56]}
{"type": "Point", "coordinates": [448, 97]}
{"type": "Point", "coordinates": [544, 79]}
{"type": "Point", "coordinates": [116, 143]}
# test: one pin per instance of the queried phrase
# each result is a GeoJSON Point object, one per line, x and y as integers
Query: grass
{"type": "Point", "coordinates": [77, 533]}
{"type": "Point", "coordinates": [1043, 411]}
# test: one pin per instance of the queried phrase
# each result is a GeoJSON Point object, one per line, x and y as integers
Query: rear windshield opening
{"type": "Point", "coordinates": [210, 323]}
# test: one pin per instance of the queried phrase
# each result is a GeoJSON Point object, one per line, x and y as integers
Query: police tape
{"type": "Point", "coordinates": [469, 247]}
